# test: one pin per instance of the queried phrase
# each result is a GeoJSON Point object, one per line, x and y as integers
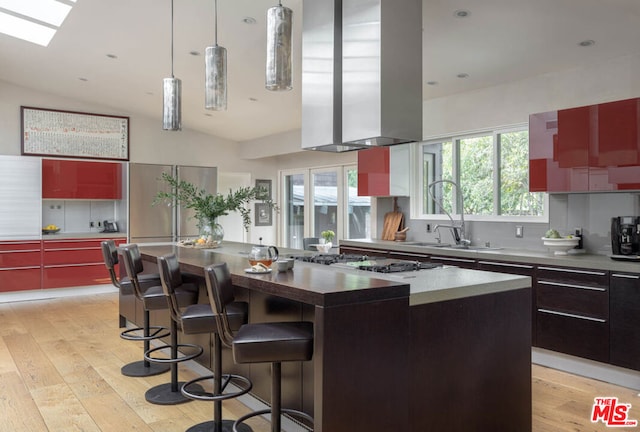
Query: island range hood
{"type": "Point", "coordinates": [361, 73]}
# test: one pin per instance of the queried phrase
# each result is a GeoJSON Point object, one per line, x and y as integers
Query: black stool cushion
{"type": "Point", "coordinates": [199, 318]}
{"type": "Point", "coordinates": [273, 342]}
{"type": "Point", "coordinates": [154, 298]}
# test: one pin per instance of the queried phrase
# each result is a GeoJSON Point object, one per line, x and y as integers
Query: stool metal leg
{"type": "Point", "coordinates": [218, 424]}
{"type": "Point", "coordinates": [144, 368]}
{"type": "Point", "coordinates": [169, 393]}
{"type": "Point", "coordinates": [276, 396]}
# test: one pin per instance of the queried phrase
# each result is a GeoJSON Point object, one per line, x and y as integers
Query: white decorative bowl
{"type": "Point", "coordinates": [561, 246]}
{"type": "Point", "coordinates": [324, 247]}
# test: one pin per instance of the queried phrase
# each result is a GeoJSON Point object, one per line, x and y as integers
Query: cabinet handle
{"type": "Point", "coordinates": [523, 266]}
{"type": "Point", "coordinates": [569, 315]}
{"type": "Point", "coordinates": [453, 259]}
{"type": "Point", "coordinates": [71, 249]}
{"type": "Point", "coordinates": [408, 254]}
{"type": "Point", "coordinates": [626, 276]}
{"type": "Point", "coordinates": [571, 286]}
{"type": "Point", "coordinates": [19, 251]}
{"type": "Point", "coordinates": [72, 265]}
{"type": "Point", "coordinates": [20, 268]}
{"type": "Point", "coordinates": [573, 271]}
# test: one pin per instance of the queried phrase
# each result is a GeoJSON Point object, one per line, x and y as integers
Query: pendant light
{"type": "Point", "coordinates": [172, 95]}
{"type": "Point", "coordinates": [215, 65]}
{"type": "Point", "coordinates": [278, 76]}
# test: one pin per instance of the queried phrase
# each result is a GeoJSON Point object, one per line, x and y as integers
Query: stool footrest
{"type": "Point", "coordinates": [157, 333]}
{"type": "Point", "coordinates": [210, 396]}
{"type": "Point", "coordinates": [227, 426]}
{"type": "Point", "coordinates": [294, 413]}
{"type": "Point", "coordinates": [198, 351]}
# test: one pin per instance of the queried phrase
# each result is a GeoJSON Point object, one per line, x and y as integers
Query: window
{"type": "Point", "coordinates": [319, 199]}
{"type": "Point", "coordinates": [492, 169]}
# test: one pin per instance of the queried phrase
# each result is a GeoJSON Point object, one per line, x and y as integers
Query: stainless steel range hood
{"type": "Point", "coordinates": [361, 73]}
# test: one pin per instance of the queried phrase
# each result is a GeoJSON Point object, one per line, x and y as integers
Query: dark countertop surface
{"type": "Point", "coordinates": [323, 285]}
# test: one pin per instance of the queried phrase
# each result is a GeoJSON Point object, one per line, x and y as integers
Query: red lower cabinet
{"type": "Point", "coordinates": [20, 265]}
{"type": "Point", "coordinates": [74, 262]}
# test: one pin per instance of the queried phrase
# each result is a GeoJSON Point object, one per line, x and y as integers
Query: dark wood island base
{"type": "Point", "coordinates": [380, 364]}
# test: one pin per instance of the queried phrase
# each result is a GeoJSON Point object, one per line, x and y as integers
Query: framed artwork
{"type": "Point", "coordinates": [266, 185]}
{"type": "Point", "coordinates": [47, 132]}
{"type": "Point", "coordinates": [263, 214]}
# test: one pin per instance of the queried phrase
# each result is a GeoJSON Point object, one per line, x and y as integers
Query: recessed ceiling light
{"type": "Point", "coordinates": [112, 56]}
{"type": "Point", "coordinates": [463, 75]}
{"type": "Point", "coordinates": [208, 114]}
{"type": "Point", "coordinates": [252, 99]}
{"type": "Point", "coordinates": [150, 93]}
{"type": "Point", "coordinates": [587, 43]}
{"type": "Point", "coordinates": [432, 83]}
{"type": "Point", "coordinates": [461, 13]}
{"type": "Point", "coordinates": [249, 20]}
{"type": "Point", "coordinates": [83, 79]}
{"type": "Point", "coordinates": [194, 53]}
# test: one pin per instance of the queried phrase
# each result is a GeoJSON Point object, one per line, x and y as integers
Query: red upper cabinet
{"type": "Point", "coordinates": [591, 148]}
{"type": "Point", "coordinates": [384, 171]}
{"type": "Point", "coordinates": [69, 179]}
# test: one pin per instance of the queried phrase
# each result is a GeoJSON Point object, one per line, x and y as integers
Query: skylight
{"type": "Point", "coordinates": [35, 21]}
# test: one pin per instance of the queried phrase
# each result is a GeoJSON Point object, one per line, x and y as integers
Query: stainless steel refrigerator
{"type": "Point", "coordinates": [150, 223]}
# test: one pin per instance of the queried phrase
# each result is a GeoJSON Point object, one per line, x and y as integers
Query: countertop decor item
{"type": "Point", "coordinates": [327, 235]}
{"type": "Point", "coordinates": [562, 245]}
{"type": "Point", "coordinates": [209, 207]}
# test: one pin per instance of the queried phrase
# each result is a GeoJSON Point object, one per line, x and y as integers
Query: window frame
{"type": "Point", "coordinates": [417, 187]}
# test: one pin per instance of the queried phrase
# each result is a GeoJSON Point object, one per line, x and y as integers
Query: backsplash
{"type": "Point", "coordinates": [592, 212]}
{"type": "Point", "coordinates": [78, 216]}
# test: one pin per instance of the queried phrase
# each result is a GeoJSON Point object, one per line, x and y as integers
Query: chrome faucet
{"type": "Point", "coordinates": [456, 227]}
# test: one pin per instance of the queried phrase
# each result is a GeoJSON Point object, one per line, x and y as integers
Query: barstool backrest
{"type": "Point", "coordinates": [110, 255]}
{"type": "Point", "coordinates": [220, 291]}
{"type": "Point", "coordinates": [171, 278]}
{"type": "Point", "coordinates": [133, 265]}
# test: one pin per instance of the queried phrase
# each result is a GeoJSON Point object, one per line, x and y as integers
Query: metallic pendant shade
{"type": "Point", "coordinates": [215, 64]}
{"type": "Point", "coordinates": [172, 95]}
{"type": "Point", "coordinates": [172, 104]}
{"type": "Point", "coordinates": [278, 72]}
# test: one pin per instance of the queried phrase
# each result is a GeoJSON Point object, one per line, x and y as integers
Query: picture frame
{"type": "Point", "coordinates": [263, 215]}
{"type": "Point", "coordinates": [71, 134]}
{"type": "Point", "coordinates": [265, 184]}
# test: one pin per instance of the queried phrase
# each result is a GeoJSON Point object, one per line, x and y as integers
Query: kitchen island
{"type": "Point", "coordinates": [391, 354]}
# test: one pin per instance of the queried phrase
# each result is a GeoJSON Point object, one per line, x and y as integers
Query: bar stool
{"type": "Point", "coordinates": [176, 294]}
{"type": "Point", "coordinates": [198, 319]}
{"type": "Point", "coordinates": [141, 368]}
{"type": "Point", "coordinates": [275, 343]}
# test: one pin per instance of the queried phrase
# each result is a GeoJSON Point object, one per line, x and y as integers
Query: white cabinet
{"type": "Point", "coordinates": [20, 198]}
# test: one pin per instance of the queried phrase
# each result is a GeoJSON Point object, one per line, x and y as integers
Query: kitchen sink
{"type": "Point", "coordinates": [430, 244]}
{"type": "Point", "coordinates": [450, 246]}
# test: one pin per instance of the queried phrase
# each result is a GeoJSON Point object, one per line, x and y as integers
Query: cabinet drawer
{"type": "Point", "coordinates": [75, 275]}
{"type": "Point", "coordinates": [572, 298]}
{"type": "Point", "coordinates": [506, 267]}
{"type": "Point", "coordinates": [458, 262]}
{"type": "Point", "coordinates": [363, 251]}
{"type": "Point", "coordinates": [594, 278]}
{"type": "Point", "coordinates": [73, 256]}
{"type": "Point", "coordinates": [20, 258]}
{"type": "Point", "coordinates": [27, 278]}
{"type": "Point", "coordinates": [573, 334]}
{"type": "Point", "coordinates": [20, 246]}
{"type": "Point", "coordinates": [71, 244]}
{"type": "Point", "coordinates": [408, 256]}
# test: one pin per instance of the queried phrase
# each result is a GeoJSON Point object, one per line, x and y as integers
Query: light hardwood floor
{"type": "Point", "coordinates": [60, 365]}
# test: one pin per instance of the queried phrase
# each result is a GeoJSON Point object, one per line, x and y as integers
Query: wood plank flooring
{"type": "Point", "coordinates": [60, 365]}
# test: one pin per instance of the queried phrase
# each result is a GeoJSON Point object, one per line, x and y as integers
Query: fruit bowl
{"type": "Point", "coordinates": [50, 231]}
{"type": "Point", "coordinates": [562, 245]}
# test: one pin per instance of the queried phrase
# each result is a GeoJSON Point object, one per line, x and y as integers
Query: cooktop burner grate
{"type": "Point", "coordinates": [331, 258]}
{"type": "Point", "coordinates": [401, 266]}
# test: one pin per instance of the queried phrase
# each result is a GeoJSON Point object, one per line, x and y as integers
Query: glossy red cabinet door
{"type": "Point", "coordinates": [20, 265]}
{"type": "Point", "coordinates": [68, 179]}
{"type": "Point", "coordinates": [373, 172]}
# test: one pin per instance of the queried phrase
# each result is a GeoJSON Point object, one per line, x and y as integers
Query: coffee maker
{"type": "Point", "coordinates": [625, 235]}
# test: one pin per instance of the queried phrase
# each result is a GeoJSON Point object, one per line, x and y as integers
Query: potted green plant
{"type": "Point", "coordinates": [327, 235]}
{"type": "Point", "coordinates": [209, 207]}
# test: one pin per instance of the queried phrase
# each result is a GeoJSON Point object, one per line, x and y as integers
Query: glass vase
{"type": "Point", "coordinates": [212, 233]}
